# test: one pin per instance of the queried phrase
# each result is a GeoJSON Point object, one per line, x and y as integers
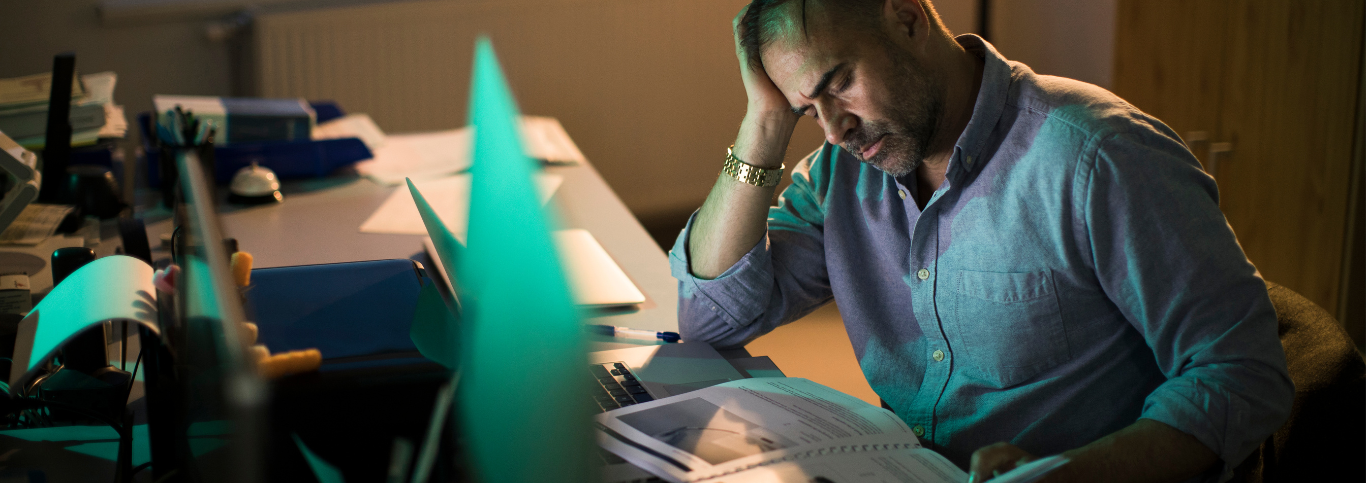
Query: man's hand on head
{"type": "Point", "coordinates": [768, 116]}
{"type": "Point", "coordinates": [990, 461]}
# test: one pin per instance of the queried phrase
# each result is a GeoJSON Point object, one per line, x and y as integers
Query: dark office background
{"type": "Point", "coordinates": [648, 89]}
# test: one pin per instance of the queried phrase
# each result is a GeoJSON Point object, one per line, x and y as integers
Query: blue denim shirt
{"type": "Point", "coordinates": [1073, 274]}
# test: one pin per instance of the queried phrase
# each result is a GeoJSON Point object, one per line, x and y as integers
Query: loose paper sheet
{"type": "Point", "coordinates": [351, 126]}
{"type": "Point", "coordinates": [418, 156]}
{"type": "Point", "coordinates": [432, 154]}
{"type": "Point", "coordinates": [450, 197]}
{"type": "Point", "coordinates": [34, 224]}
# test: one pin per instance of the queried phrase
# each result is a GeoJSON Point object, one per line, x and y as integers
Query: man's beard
{"type": "Point", "coordinates": [915, 105]}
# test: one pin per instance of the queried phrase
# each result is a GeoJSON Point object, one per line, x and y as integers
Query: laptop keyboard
{"type": "Point", "coordinates": [616, 386]}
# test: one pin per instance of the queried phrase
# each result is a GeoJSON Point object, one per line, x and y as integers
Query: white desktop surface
{"type": "Point", "coordinates": [321, 225]}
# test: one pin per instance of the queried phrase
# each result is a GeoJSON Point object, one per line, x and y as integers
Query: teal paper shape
{"type": "Point", "coordinates": [434, 330]}
{"type": "Point", "coordinates": [448, 247]}
{"type": "Point", "coordinates": [116, 287]}
{"type": "Point", "coordinates": [522, 393]}
{"type": "Point", "coordinates": [325, 472]}
{"type": "Point", "coordinates": [103, 442]}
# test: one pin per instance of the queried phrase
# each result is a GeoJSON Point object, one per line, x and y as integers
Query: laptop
{"type": "Point", "coordinates": [595, 279]}
{"type": "Point", "coordinates": [622, 376]}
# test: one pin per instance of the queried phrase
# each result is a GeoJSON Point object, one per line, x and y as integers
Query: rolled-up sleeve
{"type": "Point", "coordinates": [780, 279]}
{"type": "Point", "coordinates": [1168, 259]}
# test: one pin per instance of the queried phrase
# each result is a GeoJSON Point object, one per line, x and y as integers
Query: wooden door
{"type": "Point", "coordinates": [1278, 81]}
{"type": "Point", "coordinates": [1289, 111]}
{"type": "Point", "coordinates": [1169, 63]}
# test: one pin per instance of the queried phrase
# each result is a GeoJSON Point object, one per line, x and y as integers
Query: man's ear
{"type": "Point", "coordinates": [909, 15]}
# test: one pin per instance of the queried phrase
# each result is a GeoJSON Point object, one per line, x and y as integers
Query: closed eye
{"type": "Point", "coordinates": [844, 84]}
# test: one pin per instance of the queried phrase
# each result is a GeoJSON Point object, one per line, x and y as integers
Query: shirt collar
{"type": "Point", "coordinates": [991, 100]}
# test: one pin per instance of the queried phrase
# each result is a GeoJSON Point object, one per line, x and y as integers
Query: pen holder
{"type": "Point", "coordinates": [179, 130]}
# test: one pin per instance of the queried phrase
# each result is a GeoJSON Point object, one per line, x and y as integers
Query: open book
{"type": "Point", "coordinates": [780, 429]}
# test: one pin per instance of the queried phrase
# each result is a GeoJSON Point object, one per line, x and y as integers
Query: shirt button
{"type": "Point", "coordinates": [918, 430]}
{"type": "Point", "coordinates": [938, 355]}
{"type": "Point", "coordinates": [969, 160]}
{"type": "Point", "coordinates": [923, 274]}
{"type": "Point", "coordinates": [902, 194]}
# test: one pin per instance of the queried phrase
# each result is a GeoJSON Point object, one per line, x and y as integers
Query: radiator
{"type": "Point", "coordinates": [649, 89]}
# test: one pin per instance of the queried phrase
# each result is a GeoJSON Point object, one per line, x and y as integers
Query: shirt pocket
{"type": "Point", "coordinates": [1009, 325]}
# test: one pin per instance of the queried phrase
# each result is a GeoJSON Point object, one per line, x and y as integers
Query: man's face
{"type": "Point", "coordinates": [869, 94]}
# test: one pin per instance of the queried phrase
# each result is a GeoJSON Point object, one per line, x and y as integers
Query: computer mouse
{"type": "Point", "coordinates": [254, 185]}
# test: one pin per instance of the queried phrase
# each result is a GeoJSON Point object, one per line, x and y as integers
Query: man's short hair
{"type": "Point", "coordinates": [764, 21]}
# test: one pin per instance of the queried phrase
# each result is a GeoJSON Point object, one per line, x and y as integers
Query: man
{"type": "Point", "coordinates": [1026, 265]}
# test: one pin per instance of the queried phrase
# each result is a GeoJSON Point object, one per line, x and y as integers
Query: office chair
{"type": "Point", "coordinates": [1322, 437]}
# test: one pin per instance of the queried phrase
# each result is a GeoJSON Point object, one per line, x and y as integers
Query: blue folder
{"type": "Point", "coordinates": [346, 310]}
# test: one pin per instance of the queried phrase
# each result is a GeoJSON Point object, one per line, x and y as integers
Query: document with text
{"type": "Point", "coordinates": [779, 429]}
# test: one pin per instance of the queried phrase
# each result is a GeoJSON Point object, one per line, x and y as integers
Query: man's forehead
{"type": "Point", "coordinates": [805, 45]}
{"type": "Point", "coordinates": [797, 64]}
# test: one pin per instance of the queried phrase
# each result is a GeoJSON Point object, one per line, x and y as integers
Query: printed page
{"type": "Point", "coordinates": [36, 223]}
{"type": "Point", "coordinates": [741, 424]}
{"type": "Point", "coordinates": [917, 465]}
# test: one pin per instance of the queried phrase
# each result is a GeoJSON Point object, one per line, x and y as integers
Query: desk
{"type": "Point", "coordinates": [319, 222]}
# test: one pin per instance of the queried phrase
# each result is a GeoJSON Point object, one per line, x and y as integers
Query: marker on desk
{"type": "Point", "coordinates": [612, 331]}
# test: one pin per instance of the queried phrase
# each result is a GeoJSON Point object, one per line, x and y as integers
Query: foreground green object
{"type": "Point", "coordinates": [435, 332]}
{"type": "Point", "coordinates": [522, 399]}
{"type": "Point", "coordinates": [322, 470]}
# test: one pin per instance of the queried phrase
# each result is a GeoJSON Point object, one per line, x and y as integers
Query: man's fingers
{"type": "Point", "coordinates": [993, 460]}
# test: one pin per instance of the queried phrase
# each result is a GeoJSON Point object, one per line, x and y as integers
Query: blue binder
{"type": "Point", "coordinates": [355, 313]}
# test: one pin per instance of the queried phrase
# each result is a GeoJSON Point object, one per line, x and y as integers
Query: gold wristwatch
{"type": "Point", "coordinates": [748, 173]}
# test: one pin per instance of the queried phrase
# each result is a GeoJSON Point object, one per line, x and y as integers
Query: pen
{"type": "Point", "coordinates": [611, 331]}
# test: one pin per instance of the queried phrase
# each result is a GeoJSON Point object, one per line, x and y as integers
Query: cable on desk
{"type": "Point", "coordinates": [133, 376]}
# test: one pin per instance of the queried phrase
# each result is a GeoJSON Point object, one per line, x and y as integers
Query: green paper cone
{"type": "Point", "coordinates": [523, 401]}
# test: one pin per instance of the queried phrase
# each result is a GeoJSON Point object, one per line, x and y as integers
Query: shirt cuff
{"type": "Point", "coordinates": [738, 296]}
{"type": "Point", "coordinates": [1209, 413]}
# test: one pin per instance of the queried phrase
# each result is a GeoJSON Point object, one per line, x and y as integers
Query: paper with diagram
{"type": "Point", "coordinates": [779, 429]}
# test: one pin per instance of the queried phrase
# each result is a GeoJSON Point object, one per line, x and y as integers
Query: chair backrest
{"type": "Point", "coordinates": [1323, 435]}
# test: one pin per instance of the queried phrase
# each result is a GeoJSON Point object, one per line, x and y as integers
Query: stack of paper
{"type": "Point", "coordinates": [35, 224]}
{"type": "Point", "coordinates": [23, 109]}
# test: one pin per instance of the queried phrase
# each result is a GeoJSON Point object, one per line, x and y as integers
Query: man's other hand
{"type": "Point", "coordinates": [990, 461]}
{"type": "Point", "coordinates": [1146, 451]}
